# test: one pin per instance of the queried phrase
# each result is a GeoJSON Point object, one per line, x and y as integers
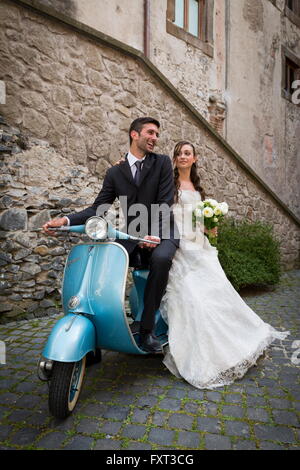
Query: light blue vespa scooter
{"type": "Point", "coordinates": [93, 297]}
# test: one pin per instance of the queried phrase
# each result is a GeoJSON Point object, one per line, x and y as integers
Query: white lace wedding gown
{"type": "Point", "coordinates": [214, 337]}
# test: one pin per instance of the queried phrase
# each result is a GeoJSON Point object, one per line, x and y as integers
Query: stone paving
{"type": "Point", "coordinates": [132, 402]}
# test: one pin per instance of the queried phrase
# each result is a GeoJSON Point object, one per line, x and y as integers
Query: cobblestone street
{"type": "Point", "coordinates": [131, 402]}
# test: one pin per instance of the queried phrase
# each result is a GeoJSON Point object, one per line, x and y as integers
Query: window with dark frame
{"type": "Point", "coordinates": [292, 11]}
{"type": "Point", "coordinates": [189, 15]}
{"type": "Point", "coordinates": [192, 21]}
{"type": "Point", "coordinates": [294, 6]}
{"type": "Point", "coordinates": [290, 74]}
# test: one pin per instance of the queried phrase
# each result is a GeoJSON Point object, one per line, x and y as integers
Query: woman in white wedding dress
{"type": "Point", "coordinates": [214, 337]}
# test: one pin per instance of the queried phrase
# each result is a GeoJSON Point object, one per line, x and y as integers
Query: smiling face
{"type": "Point", "coordinates": [145, 140]}
{"type": "Point", "coordinates": [184, 156]}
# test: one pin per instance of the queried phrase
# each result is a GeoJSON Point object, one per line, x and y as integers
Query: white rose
{"type": "Point", "coordinates": [215, 219]}
{"type": "Point", "coordinates": [198, 212]}
{"type": "Point", "coordinates": [212, 202]}
{"type": "Point", "coordinates": [224, 207]}
{"type": "Point", "coordinates": [200, 205]}
{"type": "Point", "coordinates": [208, 212]}
{"type": "Point", "coordinates": [218, 210]}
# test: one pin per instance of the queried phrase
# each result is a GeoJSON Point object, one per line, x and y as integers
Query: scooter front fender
{"type": "Point", "coordinates": [71, 338]}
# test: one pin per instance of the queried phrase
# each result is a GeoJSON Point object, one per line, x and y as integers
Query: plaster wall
{"type": "Point", "coordinates": [262, 125]}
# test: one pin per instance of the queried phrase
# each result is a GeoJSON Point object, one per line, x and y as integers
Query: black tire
{"type": "Point", "coordinates": [65, 386]}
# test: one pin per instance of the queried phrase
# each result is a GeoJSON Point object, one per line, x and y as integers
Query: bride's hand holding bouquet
{"type": "Point", "coordinates": [210, 212]}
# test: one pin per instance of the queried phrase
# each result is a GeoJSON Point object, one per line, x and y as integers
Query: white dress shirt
{"type": "Point", "coordinates": [131, 160]}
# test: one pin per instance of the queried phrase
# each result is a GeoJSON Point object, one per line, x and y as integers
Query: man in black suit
{"type": "Point", "coordinates": [142, 178]}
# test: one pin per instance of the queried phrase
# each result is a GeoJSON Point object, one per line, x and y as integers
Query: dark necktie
{"type": "Point", "coordinates": [137, 175]}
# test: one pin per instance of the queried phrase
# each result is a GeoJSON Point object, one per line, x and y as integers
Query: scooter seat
{"type": "Point", "coordinates": [141, 267]}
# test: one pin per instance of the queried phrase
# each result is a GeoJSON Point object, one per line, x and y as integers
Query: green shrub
{"type": "Point", "coordinates": [249, 253]}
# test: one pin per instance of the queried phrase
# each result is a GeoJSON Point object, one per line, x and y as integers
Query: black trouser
{"type": "Point", "coordinates": [160, 261]}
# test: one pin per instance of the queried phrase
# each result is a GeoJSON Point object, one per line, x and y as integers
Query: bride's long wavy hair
{"type": "Point", "coordinates": [195, 178]}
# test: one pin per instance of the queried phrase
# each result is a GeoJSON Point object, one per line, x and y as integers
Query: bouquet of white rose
{"type": "Point", "coordinates": [210, 212]}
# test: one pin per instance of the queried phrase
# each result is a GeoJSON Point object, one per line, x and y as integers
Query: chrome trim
{"type": "Point", "coordinates": [73, 302]}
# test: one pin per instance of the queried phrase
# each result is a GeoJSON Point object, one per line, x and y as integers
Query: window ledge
{"type": "Point", "coordinates": [291, 16]}
{"type": "Point", "coordinates": [189, 38]}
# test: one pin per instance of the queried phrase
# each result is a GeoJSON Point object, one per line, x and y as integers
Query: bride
{"type": "Point", "coordinates": [214, 337]}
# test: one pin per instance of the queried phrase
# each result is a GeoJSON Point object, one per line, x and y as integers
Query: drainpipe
{"type": "Point", "coordinates": [147, 28]}
{"type": "Point", "coordinates": [227, 60]}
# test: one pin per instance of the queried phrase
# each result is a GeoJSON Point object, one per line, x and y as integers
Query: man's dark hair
{"type": "Point", "coordinates": [138, 124]}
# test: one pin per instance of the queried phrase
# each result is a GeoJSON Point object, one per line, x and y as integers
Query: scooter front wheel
{"type": "Point", "coordinates": [65, 386]}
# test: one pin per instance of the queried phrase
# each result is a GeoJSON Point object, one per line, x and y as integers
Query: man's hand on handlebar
{"type": "Point", "coordinates": [59, 222]}
{"type": "Point", "coordinates": [149, 245]}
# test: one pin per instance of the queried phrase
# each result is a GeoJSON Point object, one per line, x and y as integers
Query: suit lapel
{"type": "Point", "coordinates": [149, 160]}
{"type": "Point", "coordinates": [126, 170]}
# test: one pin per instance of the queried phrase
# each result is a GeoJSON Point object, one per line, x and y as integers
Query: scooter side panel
{"type": "Point", "coordinates": [71, 338]}
{"type": "Point", "coordinates": [74, 281]}
{"type": "Point", "coordinates": [96, 274]}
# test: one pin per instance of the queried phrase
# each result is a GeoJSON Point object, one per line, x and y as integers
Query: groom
{"type": "Point", "coordinates": [143, 178]}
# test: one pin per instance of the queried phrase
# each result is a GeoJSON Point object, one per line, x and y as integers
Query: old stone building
{"type": "Point", "coordinates": [217, 72]}
{"type": "Point", "coordinates": [230, 59]}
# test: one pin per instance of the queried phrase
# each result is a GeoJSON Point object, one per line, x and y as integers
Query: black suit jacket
{"type": "Point", "coordinates": [156, 187]}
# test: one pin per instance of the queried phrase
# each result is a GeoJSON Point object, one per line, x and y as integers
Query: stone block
{"type": "Point", "coordinates": [13, 219]}
{"type": "Point", "coordinates": [76, 73]}
{"type": "Point", "coordinates": [22, 253]}
{"type": "Point", "coordinates": [134, 431]}
{"type": "Point", "coordinates": [35, 122]}
{"type": "Point", "coordinates": [189, 439]}
{"type": "Point", "coordinates": [161, 436]}
{"type": "Point", "coordinates": [31, 268]}
{"type": "Point", "coordinates": [61, 97]}
{"type": "Point", "coordinates": [5, 258]}
{"type": "Point", "coordinates": [38, 220]}
{"type": "Point", "coordinates": [42, 250]}
{"type": "Point", "coordinates": [33, 99]}
{"type": "Point", "coordinates": [58, 121]}
{"type": "Point", "coordinates": [217, 442]}
{"type": "Point", "coordinates": [98, 80]}
{"type": "Point", "coordinates": [6, 307]}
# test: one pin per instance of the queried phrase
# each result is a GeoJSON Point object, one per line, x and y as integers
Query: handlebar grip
{"type": "Point", "coordinates": [68, 228]}
{"type": "Point", "coordinates": [63, 228]}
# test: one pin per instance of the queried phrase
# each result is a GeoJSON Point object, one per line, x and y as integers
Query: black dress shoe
{"type": "Point", "coordinates": [135, 327]}
{"type": "Point", "coordinates": [150, 343]}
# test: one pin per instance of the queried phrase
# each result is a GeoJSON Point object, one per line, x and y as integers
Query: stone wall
{"type": "Point", "coordinates": [37, 183]}
{"type": "Point", "coordinates": [70, 100]}
{"type": "Point", "coordinates": [237, 87]}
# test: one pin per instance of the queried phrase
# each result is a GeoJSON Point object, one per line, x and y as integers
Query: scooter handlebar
{"type": "Point", "coordinates": [111, 233]}
{"type": "Point", "coordinates": [68, 228]}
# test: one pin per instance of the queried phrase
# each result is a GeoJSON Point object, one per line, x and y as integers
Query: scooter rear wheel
{"type": "Point", "coordinates": [65, 386]}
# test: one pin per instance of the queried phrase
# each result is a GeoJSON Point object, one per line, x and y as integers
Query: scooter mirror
{"type": "Point", "coordinates": [96, 228]}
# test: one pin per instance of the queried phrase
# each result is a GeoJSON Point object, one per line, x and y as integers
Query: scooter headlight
{"type": "Point", "coordinates": [96, 228]}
